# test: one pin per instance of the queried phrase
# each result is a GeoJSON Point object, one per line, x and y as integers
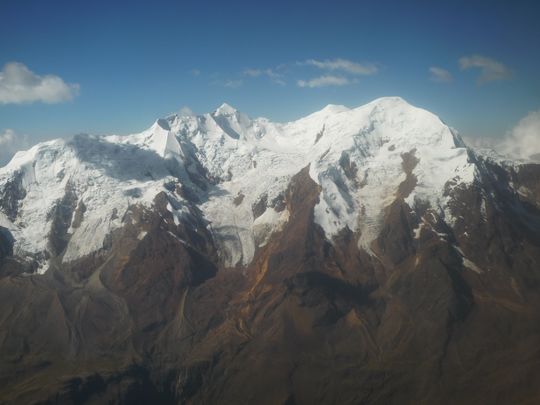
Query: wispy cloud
{"type": "Point", "coordinates": [438, 74]}
{"type": "Point", "coordinates": [19, 85]}
{"type": "Point", "coordinates": [232, 83]}
{"type": "Point", "coordinates": [343, 65]}
{"type": "Point", "coordinates": [336, 72]}
{"type": "Point", "coordinates": [323, 81]}
{"type": "Point", "coordinates": [11, 142]}
{"type": "Point", "coordinates": [261, 72]}
{"type": "Point", "coordinates": [269, 73]}
{"type": "Point", "coordinates": [490, 69]}
{"type": "Point", "coordinates": [229, 83]}
{"type": "Point", "coordinates": [195, 72]}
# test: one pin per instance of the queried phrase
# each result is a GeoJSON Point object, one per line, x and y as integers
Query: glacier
{"type": "Point", "coordinates": [237, 170]}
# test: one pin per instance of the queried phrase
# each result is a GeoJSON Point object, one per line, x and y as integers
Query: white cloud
{"type": "Point", "coordinates": [19, 85]}
{"type": "Point", "coordinates": [11, 142]}
{"type": "Point", "coordinates": [520, 143]}
{"type": "Point", "coordinates": [323, 81]}
{"type": "Point", "coordinates": [343, 65]}
{"type": "Point", "coordinates": [523, 141]}
{"type": "Point", "coordinates": [490, 69]}
{"type": "Point", "coordinates": [440, 75]}
{"type": "Point", "coordinates": [195, 72]}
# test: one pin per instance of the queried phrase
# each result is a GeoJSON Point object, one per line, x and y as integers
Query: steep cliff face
{"type": "Point", "coordinates": [352, 256]}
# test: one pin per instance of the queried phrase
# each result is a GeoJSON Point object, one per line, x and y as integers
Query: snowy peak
{"type": "Point", "coordinates": [335, 108]}
{"type": "Point", "coordinates": [331, 109]}
{"type": "Point", "coordinates": [217, 254]}
{"type": "Point", "coordinates": [389, 101]}
{"type": "Point", "coordinates": [225, 109]}
{"type": "Point", "coordinates": [163, 124]}
{"type": "Point", "coordinates": [237, 171]}
{"type": "Point", "coordinates": [234, 123]}
{"type": "Point", "coordinates": [383, 103]}
{"type": "Point", "coordinates": [163, 140]}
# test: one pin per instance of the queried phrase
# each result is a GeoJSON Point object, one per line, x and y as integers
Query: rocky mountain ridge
{"type": "Point", "coordinates": [354, 256]}
{"type": "Point", "coordinates": [235, 170]}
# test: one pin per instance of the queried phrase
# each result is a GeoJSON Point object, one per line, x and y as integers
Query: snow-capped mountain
{"type": "Point", "coordinates": [360, 255]}
{"type": "Point", "coordinates": [235, 170]}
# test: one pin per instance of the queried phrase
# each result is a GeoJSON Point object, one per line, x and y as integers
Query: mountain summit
{"type": "Point", "coordinates": [360, 158]}
{"type": "Point", "coordinates": [361, 255]}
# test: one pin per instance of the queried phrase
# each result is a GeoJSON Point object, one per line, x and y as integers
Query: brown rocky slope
{"type": "Point", "coordinates": [158, 320]}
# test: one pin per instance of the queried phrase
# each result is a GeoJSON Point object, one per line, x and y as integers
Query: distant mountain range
{"type": "Point", "coordinates": [354, 256]}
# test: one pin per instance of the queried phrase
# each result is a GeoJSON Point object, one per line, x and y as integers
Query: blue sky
{"type": "Point", "coordinates": [117, 66]}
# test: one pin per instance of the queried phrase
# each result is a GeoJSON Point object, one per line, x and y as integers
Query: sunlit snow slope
{"type": "Point", "coordinates": [236, 171]}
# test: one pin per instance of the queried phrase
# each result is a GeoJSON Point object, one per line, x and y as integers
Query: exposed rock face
{"type": "Point", "coordinates": [442, 305]}
{"type": "Point", "coordinates": [10, 195]}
